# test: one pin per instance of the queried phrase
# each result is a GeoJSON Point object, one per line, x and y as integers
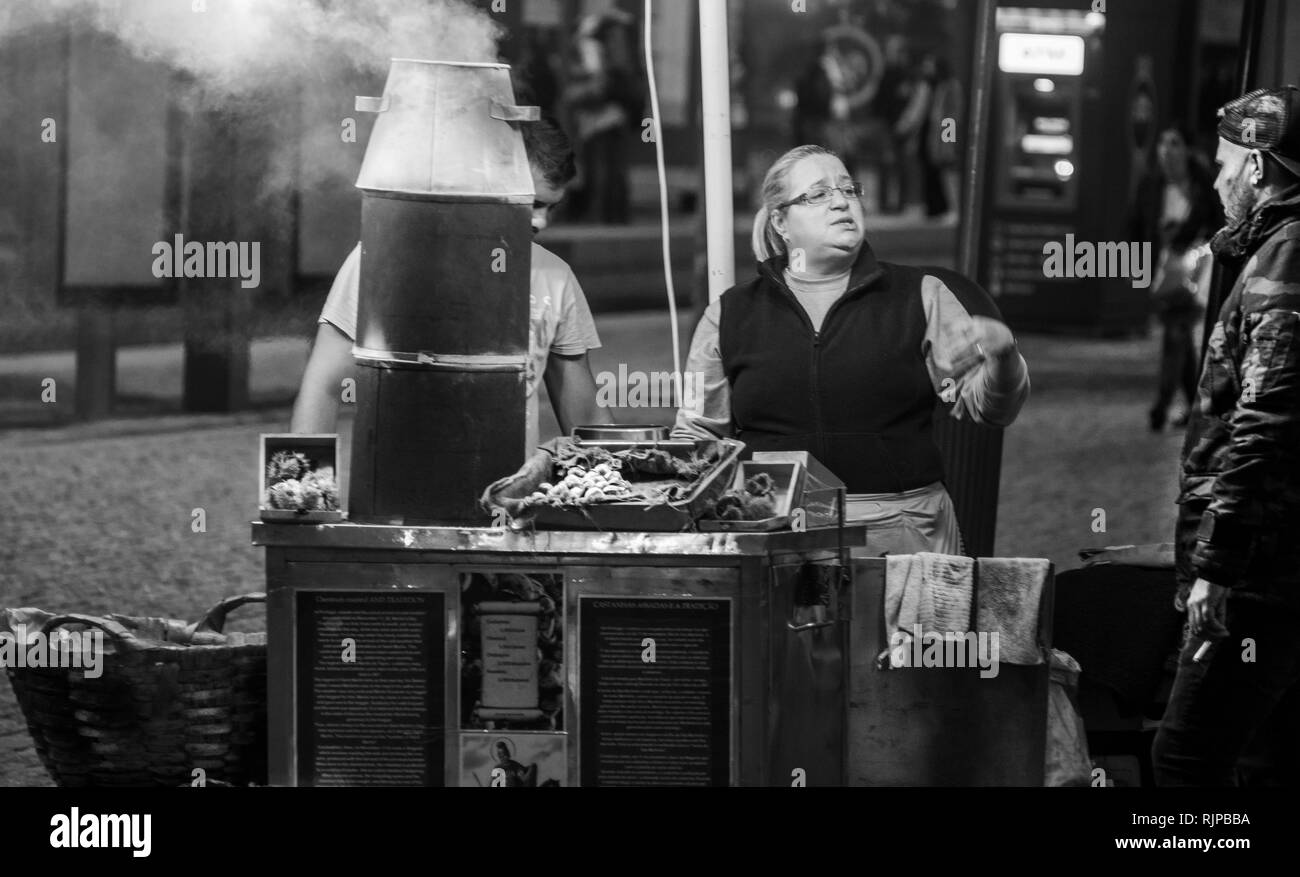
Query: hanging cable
{"type": "Point", "coordinates": [663, 201]}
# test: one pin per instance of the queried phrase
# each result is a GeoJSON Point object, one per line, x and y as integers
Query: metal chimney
{"type": "Point", "coordinates": [442, 319]}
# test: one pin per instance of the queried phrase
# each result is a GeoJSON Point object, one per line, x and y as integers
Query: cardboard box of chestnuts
{"type": "Point", "coordinates": [298, 479]}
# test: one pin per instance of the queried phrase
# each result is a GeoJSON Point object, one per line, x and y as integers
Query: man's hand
{"type": "Point", "coordinates": [1205, 610]}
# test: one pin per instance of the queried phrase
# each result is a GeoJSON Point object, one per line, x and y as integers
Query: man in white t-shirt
{"type": "Point", "coordinates": [561, 330]}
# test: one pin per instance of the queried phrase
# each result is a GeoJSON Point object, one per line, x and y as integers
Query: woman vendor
{"type": "Point", "coordinates": [828, 350]}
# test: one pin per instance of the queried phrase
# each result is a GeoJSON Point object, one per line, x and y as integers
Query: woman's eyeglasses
{"type": "Point", "coordinates": [822, 195]}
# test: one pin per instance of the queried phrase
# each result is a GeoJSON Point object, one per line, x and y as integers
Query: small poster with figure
{"type": "Point", "coordinates": [512, 651]}
{"type": "Point", "coordinates": [513, 760]}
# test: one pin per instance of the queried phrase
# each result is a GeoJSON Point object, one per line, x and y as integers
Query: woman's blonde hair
{"type": "Point", "coordinates": [765, 242]}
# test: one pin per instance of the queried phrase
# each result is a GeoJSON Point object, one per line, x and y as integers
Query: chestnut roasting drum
{"type": "Point", "coordinates": [442, 319]}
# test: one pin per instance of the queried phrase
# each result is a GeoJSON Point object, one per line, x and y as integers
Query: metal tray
{"type": "Point", "coordinates": [293, 516]}
{"type": "Point", "coordinates": [625, 432]}
{"type": "Point", "coordinates": [631, 516]}
{"type": "Point", "coordinates": [686, 445]}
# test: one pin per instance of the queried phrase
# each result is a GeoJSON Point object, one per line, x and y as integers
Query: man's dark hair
{"type": "Point", "coordinates": [549, 150]}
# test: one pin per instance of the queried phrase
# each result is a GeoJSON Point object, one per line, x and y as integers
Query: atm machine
{"type": "Point", "coordinates": [1076, 109]}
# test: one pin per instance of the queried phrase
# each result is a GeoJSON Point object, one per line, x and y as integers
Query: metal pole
{"type": "Point", "coordinates": [968, 258]}
{"type": "Point", "coordinates": [1221, 280]}
{"type": "Point", "coordinates": [715, 96]}
{"type": "Point", "coordinates": [972, 454]}
{"type": "Point", "coordinates": [1252, 28]}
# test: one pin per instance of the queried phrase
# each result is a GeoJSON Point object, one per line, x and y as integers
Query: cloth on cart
{"type": "Point", "coordinates": [1066, 758]}
{"type": "Point", "coordinates": [925, 590]}
{"type": "Point", "coordinates": [1009, 593]}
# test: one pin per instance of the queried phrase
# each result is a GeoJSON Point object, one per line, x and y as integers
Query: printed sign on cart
{"type": "Point", "coordinates": [512, 651]}
{"type": "Point", "coordinates": [513, 760]}
{"type": "Point", "coordinates": [370, 689]}
{"type": "Point", "coordinates": [654, 691]}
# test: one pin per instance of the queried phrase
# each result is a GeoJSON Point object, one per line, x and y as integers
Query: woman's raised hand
{"type": "Point", "coordinates": [993, 337]}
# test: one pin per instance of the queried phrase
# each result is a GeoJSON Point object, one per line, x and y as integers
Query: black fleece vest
{"type": "Point", "coordinates": [856, 395]}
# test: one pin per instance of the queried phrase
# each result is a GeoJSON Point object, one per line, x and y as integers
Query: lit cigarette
{"type": "Point", "coordinates": [1202, 651]}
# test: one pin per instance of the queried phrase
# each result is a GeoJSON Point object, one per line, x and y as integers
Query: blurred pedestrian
{"type": "Point", "coordinates": [604, 100]}
{"type": "Point", "coordinates": [842, 130]}
{"type": "Point", "coordinates": [532, 69]}
{"type": "Point", "coordinates": [812, 112]}
{"type": "Point", "coordinates": [940, 141]}
{"type": "Point", "coordinates": [1237, 552]}
{"type": "Point", "coordinates": [887, 108]}
{"type": "Point", "coordinates": [937, 148]}
{"type": "Point", "coordinates": [910, 130]}
{"type": "Point", "coordinates": [1176, 210]}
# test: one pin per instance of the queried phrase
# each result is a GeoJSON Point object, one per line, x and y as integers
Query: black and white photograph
{"type": "Point", "coordinates": [355, 354]}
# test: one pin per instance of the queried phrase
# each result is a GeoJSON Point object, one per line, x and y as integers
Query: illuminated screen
{"type": "Point", "coordinates": [1047, 144]}
{"type": "Point", "coordinates": [1039, 53]}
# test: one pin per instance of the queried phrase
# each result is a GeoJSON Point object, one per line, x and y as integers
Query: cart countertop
{"type": "Point", "coordinates": [495, 539]}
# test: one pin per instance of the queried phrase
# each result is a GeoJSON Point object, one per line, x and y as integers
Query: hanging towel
{"type": "Point", "coordinates": [946, 592]}
{"type": "Point", "coordinates": [926, 589]}
{"type": "Point", "coordinates": [1010, 590]}
{"type": "Point", "coordinates": [899, 583]}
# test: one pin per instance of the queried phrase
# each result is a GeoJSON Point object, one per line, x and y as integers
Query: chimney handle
{"type": "Point", "coordinates": [371, 104]}
{"type": "Point", "coordinates": [511, 113]}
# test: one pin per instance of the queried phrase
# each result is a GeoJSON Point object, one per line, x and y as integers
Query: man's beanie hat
{"type": "Point", "coordinates": [1267, 119]}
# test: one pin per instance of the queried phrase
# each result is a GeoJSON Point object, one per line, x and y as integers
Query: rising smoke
{"type": "Point", "coordinates": [290, 67]}
{"type": "Point", "coordinates": [237, 46]}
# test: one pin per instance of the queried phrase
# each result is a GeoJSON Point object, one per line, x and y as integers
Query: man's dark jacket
{"type": "Point", "coordinates": [1239, 521]}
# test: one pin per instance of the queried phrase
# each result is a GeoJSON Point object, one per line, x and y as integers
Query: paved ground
{"type": "Point", "coordinates": [97, 518]}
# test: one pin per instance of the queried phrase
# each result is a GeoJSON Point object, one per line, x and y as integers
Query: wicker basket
{"type": "Point", "coordinates": [172, 698]}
